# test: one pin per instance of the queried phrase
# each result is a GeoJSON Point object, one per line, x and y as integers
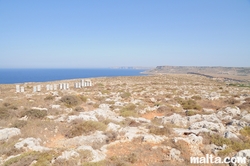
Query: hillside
{"type": "Point", "coordinates": [142, 120]}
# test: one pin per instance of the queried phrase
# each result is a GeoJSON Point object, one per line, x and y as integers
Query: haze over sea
{"type": "Point", "coordinates": [11, 76]}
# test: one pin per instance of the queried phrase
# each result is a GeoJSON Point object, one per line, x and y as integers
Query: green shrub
{"type": "Point", "coordinates": [196, 97]}
{"type": "Point", "coordinates": [220, 141]}
{"type": "Point", "coordinates": [232, 145]}
{"type": "Point", "coordinates": [85, 127]}
{"type": "Point", "coordinates": [42, 159]}
{"type": "Point", "coordinates": [125, 95]}
{"type": "Point", "coordinates": [83, 98]}
{"type": "Point", "coordinates": [33, 113]}
{"type": "Point", "coordinates": [129, 110]}
{"type": "Point", "coordinates": [70, 100]}
{"type": "Point", "coordinates": [245, 131]}
{"type": "Point", "coordinates": [79, 109]}
{"type": "Point", "coordinates": [190, 113]}
{"type": "Point", "coordinates": [132, 158]}
{"type": "Point", "coordinates": [50, 97]}
{"type": "Point", "coordinates": [19, 124]}
{"type": "Point", "coordinates": [160, 131]}
{"type": "Point", "coordinates": [225, 152]}
{"type": "Point", "coordinates": [188, 104]}
{"type": "Point", "coordinates": [4, 113]}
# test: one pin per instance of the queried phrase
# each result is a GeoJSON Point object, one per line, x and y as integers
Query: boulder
{"type": "Point", "coordinates": [31, 144]}
{"type": "Point", "coordinates": [55, 106]}
{"type": "Point", "coordinates": [130, 133]}
{"type": "Point", "coordinates": [40, 109]}
{"type": "Point", "coordinates": [66, 155]}
{"type": "Point", "coordinates": [97, 155]}
{"type": "Point", "coordinates": [233, 111]}
{"type": "Point", "coordinates": [7, 133]}
{"type": "Point", "coordinates": [246, 118]}
{"type": "Point", "coordinates": [194, 118]}
{"type": "Point", "coordinates": [211, 118]}
{"type": "Point", "coordinates": [208, 110]}
{"type": "Point", "coordinates": [102, 112]}
{"type": "Point", "coordinates": [230, 135]}
{"type": "Point", "coordinates": [175, 155]}
{"type": "Point", "coordinates": [96, 138]}
{"type": "Point", "coordinates": [218, 127]}
{"type": "Point", "coordinates": [113, 127]}
{"type": "Point", "coordinates": [243, 154]}
{"type": "Point", "coordinates": [175, 119]}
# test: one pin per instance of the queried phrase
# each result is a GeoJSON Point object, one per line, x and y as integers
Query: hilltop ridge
{"type": "Point", "coordinates": [233, 73]}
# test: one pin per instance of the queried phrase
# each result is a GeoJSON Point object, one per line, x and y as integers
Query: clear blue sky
{"type": "Point", "coordinates": [105, 33]}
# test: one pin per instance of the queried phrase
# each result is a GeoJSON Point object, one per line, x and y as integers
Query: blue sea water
{"type": "Point", "coordinates": [11, 76]}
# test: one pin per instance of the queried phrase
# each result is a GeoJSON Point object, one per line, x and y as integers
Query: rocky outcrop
{"type": "Point", "coordinates": [97, 138]}
{"type": "Point", "coordinates": [175, 119]}
{"type": "Point", "coordinates": [7, 133]}
{"type": "Point", "coordinates": [217, 127]}
{"type": "Point", "coordinates": [31, 144]}
{"type": "Point", "coordinates": [244, 155]}
{"type": "Point", "coordinates": [101, 113]}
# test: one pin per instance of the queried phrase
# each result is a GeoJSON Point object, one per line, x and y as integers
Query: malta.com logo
{"type": "Point", "coordinates": [210, 159]}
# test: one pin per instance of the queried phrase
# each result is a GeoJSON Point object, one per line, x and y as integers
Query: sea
{"type": "Point", "coordinates": [12, 76]}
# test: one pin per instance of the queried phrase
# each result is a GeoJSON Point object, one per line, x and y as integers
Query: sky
{"type": "Point", "coordinates": [100, 34]}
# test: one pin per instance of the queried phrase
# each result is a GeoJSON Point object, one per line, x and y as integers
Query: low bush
{"type": "Point", "coordinates": [196, 97]}
{"type": "Point", "coordinates": [86, 127]}
{"type": "Point", "coordinates": [129, 110]}
{"type": "Point", "coordinates": [42, 159]}
{"type": "Point", "coordinates": [225, 152]}
{"type": "Point", "coordinates": [232, 101]}
{"type": "Point", "coordinates": [33, 113]}
{"type": "Point", "coordinates": [188, 104]}
{"type": "Point", "coordinates": [19, 124]}
{"type": "Point", "coordinates": [190, 113]}
{"type": "Point", "coordinates": [79, 109]}
{"type": "Point", "coordinates": [111, 136]}
{"type": "Point", "coordinates": [4, 113]}
{"type": "Point", "coordinates": [245, 131]}
{"type": "Point", "coordinates": [83, 98]}
{"type": "Point", "coordinates": [125, 95]}
{"type": "Point", "coordinates": [50, 97]}
{"type": "Point", "coordinates": [232, 145]}
{"type": "Point", "coordinates": [160, 130]}
{"type": "Point", "coordinates": [71, 100]}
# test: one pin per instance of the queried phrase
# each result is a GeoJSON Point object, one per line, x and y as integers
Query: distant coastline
{"type": "Point", "coordinates": [12, 76]}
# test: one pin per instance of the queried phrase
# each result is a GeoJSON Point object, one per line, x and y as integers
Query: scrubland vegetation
{"type": "Point", "coordinates": [146, 120]}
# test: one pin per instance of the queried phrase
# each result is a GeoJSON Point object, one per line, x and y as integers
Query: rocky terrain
{"type": "Point", "coordinates": [241, 74]}
{"type": "Point", "coordinates": [145, 120]}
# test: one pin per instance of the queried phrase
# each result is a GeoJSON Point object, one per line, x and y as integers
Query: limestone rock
{"type": "Point", "coordinates": [232, 111]}
{"type": "Point", "coordinates": [31, 144]}
{"type": "Point", "coordinates": [194, 118]}
{"type": "Point", "coordinates": [66, 155]}
{"type": "Point", "coordinates": [208, 125]}
{"type": "Point", "coordinates": [103, 112]}
{"type": "Point", "coordinates": [243, 154]}
{"type": "Point", "coordinates": [230, 135]}
{"type": "Point", "coordinates": [96, 138]}
{"type": "Point", "coordinates": [208, 110]}
{"type": "Point", "coordinates": [7, 133]}
{"type": "Point", "coordinates": [40, 109]}
{"type": "Point", "coordinates": [175, 119]}
{"type": "Point", "coordinates": [113, 127]}
{"type": "Point", "coordinates": [97, 155]}
{"type": "Point", "coordinates": [175, 155]}
{"type": "Point", "coordinates": [246, 118]}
